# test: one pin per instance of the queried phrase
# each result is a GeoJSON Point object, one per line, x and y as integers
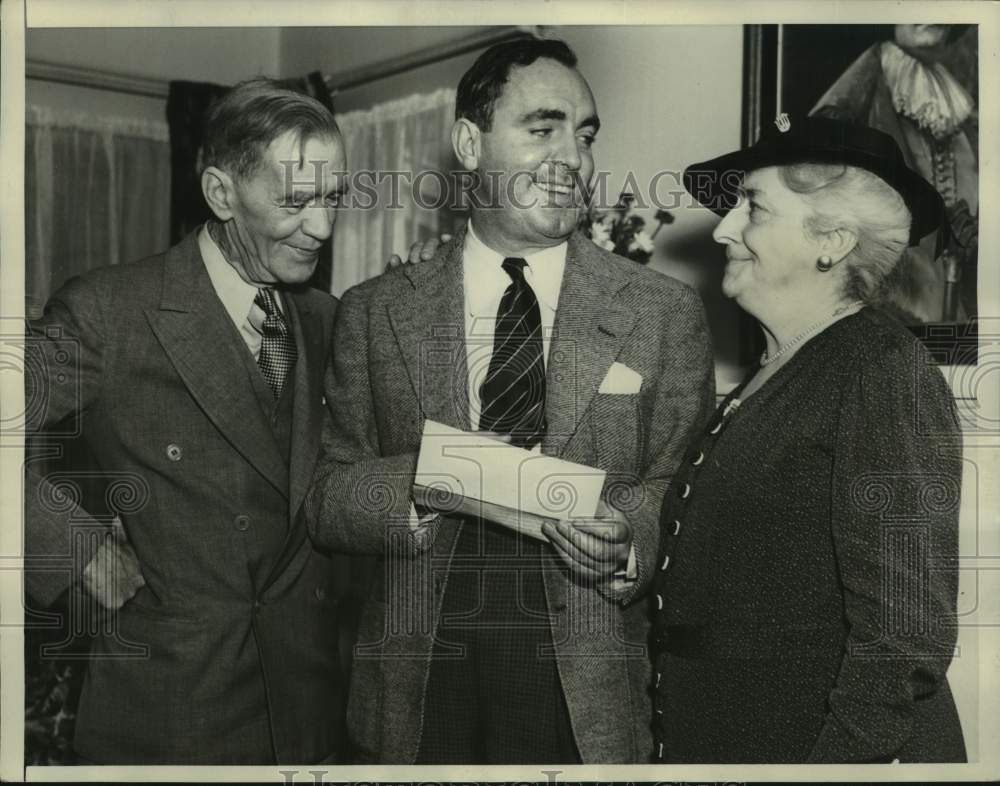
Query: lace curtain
{"type": "Point", "coordinates": [388, 147]}
{"type": "Point", "coordinates": [97, 192]}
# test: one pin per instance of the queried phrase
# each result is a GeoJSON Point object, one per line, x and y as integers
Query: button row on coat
{"type": "Point", "coordinates": [683, 491]}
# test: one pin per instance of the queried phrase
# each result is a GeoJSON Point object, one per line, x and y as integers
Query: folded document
{"type": "Point", "coordinates": [465, 472]}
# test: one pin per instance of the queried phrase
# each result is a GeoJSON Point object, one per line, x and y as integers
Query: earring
{"type": "Point", "coordinates": [824, 264]}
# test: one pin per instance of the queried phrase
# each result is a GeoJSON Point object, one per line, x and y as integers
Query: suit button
{"type": "Point", "coordinates": [684, 490]}
{"type": "Point", "coordinates": [320, 593]}
{"type": "Point", "coordinates": [174, 452]}
{"type": "Point", "coordinates": [242, 523]}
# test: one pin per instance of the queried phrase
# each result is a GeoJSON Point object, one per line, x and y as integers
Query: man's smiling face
{"type": "Point", "coordinates": [536, 158]}
{"type": "Point", "coordinates": [287, 208]}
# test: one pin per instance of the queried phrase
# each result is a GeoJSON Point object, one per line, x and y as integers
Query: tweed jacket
{"type": "Point", "coordinates": [229, 653]}
{"type": "Point", "coordinates": [400, 357]}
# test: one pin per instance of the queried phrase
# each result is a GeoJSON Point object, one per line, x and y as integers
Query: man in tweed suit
{"type": "Point", "coordinates": [197, 379]}
{"type": "Point", "coordinates": [475, 645]}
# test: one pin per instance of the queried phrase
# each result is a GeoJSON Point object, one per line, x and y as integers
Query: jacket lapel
{"type": "Point", "coordinates": [308, 405]}
{"type": "Point", "coordinates": [428, 322]}
{"type": "Point", "coordinates": [591, 325]}
{"type": "Point", "coordinates": [307, 412]}
{"type": "Point", "coordinates": [209, 355]}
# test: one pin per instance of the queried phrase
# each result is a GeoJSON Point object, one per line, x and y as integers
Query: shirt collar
{"type": "Point", "coordinates": [236, 294]}
{"type": "Point", "coordinates": [544, 272]}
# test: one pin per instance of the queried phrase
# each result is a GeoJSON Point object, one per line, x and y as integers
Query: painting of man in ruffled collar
{"type": "Point", "coordinates": [920, 85]}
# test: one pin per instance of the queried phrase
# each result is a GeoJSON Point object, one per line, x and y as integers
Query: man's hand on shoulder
{"type": "Point", "coordinates": [419, 252]}
{"type": "Point", "coordinates": [113, 575]}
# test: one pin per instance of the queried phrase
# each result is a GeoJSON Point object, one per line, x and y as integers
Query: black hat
{"type": "Point", "coordinates": [795, 140]}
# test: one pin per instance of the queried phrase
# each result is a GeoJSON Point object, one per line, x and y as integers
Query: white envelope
{"type": "Point", "coordinates": [621, 380]}
{"type": "Point", "coordinates": [468, 465]}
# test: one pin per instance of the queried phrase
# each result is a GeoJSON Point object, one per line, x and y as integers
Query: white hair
{"type": "Point", "coordinates": [848, 197]}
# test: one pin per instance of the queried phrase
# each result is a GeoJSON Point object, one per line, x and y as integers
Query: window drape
{"type": "Point", "coordinates": [388, 147]}
{"type": "Point", "coordinates": [97, 192]}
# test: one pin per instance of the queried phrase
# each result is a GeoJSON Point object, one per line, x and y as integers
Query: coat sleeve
{"type": "Point", "coordinates": [357, 496]}
{"type": "Point", "coordinates": [685, 395]}
{"type": "Point", "coordinates": [896, 486]}
{"type": "Point", "coordinates": [64, 364]}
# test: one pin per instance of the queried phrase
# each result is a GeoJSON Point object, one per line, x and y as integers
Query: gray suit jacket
{"type": "Point", "coordinates": [229, 653]}
{"type": "Point", "coordinates": [399, 358]}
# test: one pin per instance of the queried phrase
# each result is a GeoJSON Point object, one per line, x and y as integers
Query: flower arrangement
{"type": "Point", "coordinates": [621, 231]}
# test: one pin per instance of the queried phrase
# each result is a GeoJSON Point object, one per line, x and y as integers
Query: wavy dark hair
{"type": "Point", "coordinates": [484, 82]}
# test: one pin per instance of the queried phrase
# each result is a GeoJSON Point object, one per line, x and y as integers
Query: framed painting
{"type": "Point", "coordinates": [920, 84]}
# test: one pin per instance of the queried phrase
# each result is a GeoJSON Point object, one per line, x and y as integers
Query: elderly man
{"type": "Point", "coordinates": [479, 644]}
{"type": "Point", "coordinates": [197, 376]}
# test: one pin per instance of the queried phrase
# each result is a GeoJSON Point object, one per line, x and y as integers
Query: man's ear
{"type": "Point", "coordinates": [220, 192]}
{"type": "Point", "coordinates": [838, 243]}
{"type": "Point", "coordinates": [466, 139]}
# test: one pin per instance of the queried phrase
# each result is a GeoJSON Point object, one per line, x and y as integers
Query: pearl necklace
{"type": "Point", "coordinates": [843, 311]}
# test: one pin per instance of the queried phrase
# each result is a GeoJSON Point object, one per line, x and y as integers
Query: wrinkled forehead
{"type": "Point", "coordinates": [761, 180]}
{"type": "Point", "coordinates": [547, 83]}
{"type": "Point", "coordinates": [295, 160]}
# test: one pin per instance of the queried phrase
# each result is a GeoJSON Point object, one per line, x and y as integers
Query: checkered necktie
{"type": "Point", "coordinates": [277, 346]}
{"type": "Point", "coordinates": [512, 396]}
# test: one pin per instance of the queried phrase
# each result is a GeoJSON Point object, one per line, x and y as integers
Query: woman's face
{"type": "Point", "coordinates": [770, 255]}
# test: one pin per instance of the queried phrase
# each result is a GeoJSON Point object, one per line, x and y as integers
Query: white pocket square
{"type": "Point", "coordinates": [621, 380]}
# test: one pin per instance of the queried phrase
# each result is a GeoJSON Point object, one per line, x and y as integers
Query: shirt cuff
{"type": "Point", "coordinates": [418, 523]}
{"type": "Point", "coordinates": [631, 571]}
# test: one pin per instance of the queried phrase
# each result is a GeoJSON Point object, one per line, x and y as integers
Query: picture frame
{"type": "Point", "coordinates": [799, 70]}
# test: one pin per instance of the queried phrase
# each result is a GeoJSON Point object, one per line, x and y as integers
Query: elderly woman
{"type": "Point", "coordinates": [804, 610]}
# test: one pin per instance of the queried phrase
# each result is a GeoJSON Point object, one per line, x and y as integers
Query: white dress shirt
{"type": "Point", "coordinates": [485, 281]}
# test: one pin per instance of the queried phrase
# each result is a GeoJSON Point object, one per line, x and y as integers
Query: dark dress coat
{"type": "Point", "coordinates": [229, 654]}
{"type": "Point", "coordinates": [804, 607]}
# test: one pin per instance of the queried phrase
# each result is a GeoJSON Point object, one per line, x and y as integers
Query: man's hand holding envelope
{"type": "Point", "coordinates": [594, 548]}
{"type": "Point", "coordinates": [541, 496]}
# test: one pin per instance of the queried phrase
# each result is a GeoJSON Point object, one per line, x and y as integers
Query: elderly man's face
{"type": "Point", "coordinates": [544, 124]}
{"type": "Point", "coordinates": [284, 212]}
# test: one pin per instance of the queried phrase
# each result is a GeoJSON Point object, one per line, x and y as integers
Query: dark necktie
{"type": "Point", "coordinates": [512, 396]}
{"type": "Point", "coordinates": [277, 346]}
